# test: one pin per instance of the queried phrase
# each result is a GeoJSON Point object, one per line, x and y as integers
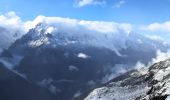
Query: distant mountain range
{"type": "Point", "coordinates": [66, 65]}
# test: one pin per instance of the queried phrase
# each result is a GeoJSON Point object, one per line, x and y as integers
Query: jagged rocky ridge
{"type": "Point", "coordinates": [151, 83]}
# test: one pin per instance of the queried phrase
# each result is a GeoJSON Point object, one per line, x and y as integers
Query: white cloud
{"type": "Point", "coordinates": [11, 21]}
{"type": "Point", "coordinates": [81, 3]}
{"type": "Point", "coordinates": [115, 71]}
{"type": "Point", "coordinates": [157, 27]}
{"type": "Point", "coordinates": [11, 27]}
{"type": "Point", "coordinates": [119, 4]}
{"type": "Point", "coordinates": [139, 65]}
{"type": "Point", "coordinates": [106, 27]}
{"type": "Point", "coordinates": [66, 25]}
{"type": "Point", "coordinates": [160, 56]}
{"type": "Point", "coordinates": [154, 37]}
{"type": "Point", "coordinates": [83, 56]}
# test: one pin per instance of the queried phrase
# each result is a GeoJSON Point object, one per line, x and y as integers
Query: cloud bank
{"type": "Point", "coordinates": [13, 22]}
{"type": "Point", "coordinates": [98, 26]}
{"type": "Point", "coordinates": [12, 27]}
{"type": "Point", "coordinates": [160, 27]}
{"type": "Point", "coordinates": [10, 20]}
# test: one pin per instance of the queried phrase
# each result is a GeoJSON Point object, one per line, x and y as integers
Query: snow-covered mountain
{"type": "Point", "coordinates": [70, 64]}
{"type": "Point", "coordinates": [144, 84]}
{"type": "Point", "coordinates": [53, 35]}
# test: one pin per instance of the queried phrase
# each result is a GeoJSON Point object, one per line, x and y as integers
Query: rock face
{"type": "Point", "coordinates": [145, 84]}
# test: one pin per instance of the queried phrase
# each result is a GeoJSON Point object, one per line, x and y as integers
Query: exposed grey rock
{"type": "Point", "coordinates": [153, 84]}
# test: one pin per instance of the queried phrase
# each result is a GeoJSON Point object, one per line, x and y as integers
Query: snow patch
{"type": "Point", "coordinates": [117, 93]}
{"type": "Point", "coordinates": [162, 73]}
{"type": "Point", "coordinates": [39, 42]}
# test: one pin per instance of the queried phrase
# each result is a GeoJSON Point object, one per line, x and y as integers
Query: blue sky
{"type": "Point", "coordinates": [127, 11]}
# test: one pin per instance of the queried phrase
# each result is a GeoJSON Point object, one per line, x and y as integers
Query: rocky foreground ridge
{"type": "Point", "coordinates": [151, 83]}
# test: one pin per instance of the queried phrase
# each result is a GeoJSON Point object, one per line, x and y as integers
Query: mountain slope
{"type": "Point", "coordinates": [14, 87]}
{"type": "Point", "coordinates": [143, 84]}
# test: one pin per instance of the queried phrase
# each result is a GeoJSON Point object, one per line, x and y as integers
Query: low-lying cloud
{"type": "Point", "coordinates": [119, 69]}
{"type": "Point", "coordinates": [160, 56]}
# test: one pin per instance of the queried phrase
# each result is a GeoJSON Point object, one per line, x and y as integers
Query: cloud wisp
{"type": "Point", "coordinates": [119, 4]}
{"type": "Point", "coordinates": [82, 3]}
